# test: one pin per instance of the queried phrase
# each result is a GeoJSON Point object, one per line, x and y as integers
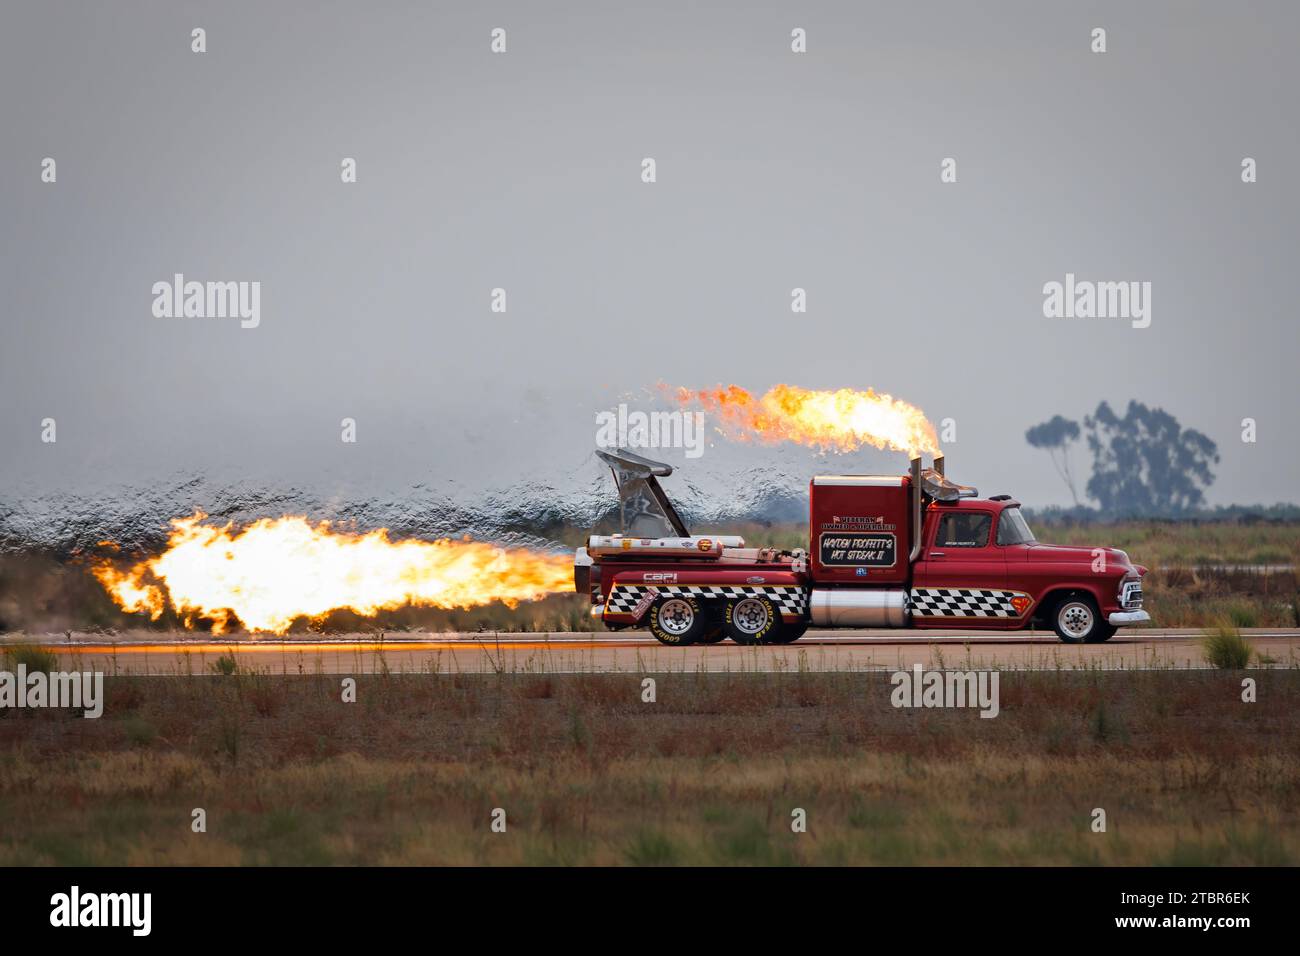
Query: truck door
{"type": "Point", "coordinates": [961, 573]}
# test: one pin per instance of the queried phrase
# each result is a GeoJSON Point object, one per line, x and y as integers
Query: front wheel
{"type": "Point", "coordinates": [1077, 620]}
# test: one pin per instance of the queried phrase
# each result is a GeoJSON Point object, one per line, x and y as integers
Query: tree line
{"type": "Point", "coordinates": [1143, 462]}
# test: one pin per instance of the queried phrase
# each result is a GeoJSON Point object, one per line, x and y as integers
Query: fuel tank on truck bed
{"type": "Point", "coordinates": [858, 529]}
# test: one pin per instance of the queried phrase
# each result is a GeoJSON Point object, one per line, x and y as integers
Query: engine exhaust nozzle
{"type": "Point", "coordinates": [916, 508]}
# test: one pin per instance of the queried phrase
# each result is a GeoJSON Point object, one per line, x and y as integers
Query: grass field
{"type": "Point", "coordinates": [588, 773]}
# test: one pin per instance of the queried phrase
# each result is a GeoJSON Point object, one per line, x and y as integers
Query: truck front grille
{"type": "Point", "coordinates": [1130, 595]}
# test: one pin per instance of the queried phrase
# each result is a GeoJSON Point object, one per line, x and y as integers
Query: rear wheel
{"type": "Point", "coordinates": [713, 635]}
{"type": "Point", "coordinates": [1077, 620]}
{"type": "Point", "coordinates": [677, 621]}
{"type": "Point", "coordinates": [752, 620]}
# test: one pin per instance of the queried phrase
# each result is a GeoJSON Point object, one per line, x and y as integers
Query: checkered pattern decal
{"type": "Point", "coordinates": [963, 602]}
{"type": "Point", "coordinates": [790, 601]}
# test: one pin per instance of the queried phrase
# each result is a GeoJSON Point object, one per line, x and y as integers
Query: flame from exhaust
{"type": "Point", "coordinates": [276, 570]}
{"type": "Point", "coordinates": [841, 420]}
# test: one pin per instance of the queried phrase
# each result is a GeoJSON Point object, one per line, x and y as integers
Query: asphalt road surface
{"type": "Point", "coordinates": [636, 651]}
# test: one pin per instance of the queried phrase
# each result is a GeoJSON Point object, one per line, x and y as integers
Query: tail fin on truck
{"type": "Point", "coordinates": [644, 510]}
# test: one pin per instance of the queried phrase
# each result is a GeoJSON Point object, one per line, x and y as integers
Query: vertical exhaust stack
{"type": "Point", "coordinates": [938, 465]}
{"type": "Point", "coordinates": [916, 508]}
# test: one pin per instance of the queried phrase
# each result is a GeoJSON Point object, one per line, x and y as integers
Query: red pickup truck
{"type": "Point", "coordinates": [913, 551]}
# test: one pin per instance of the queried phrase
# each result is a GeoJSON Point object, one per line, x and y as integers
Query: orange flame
{"type": "Point", "coordinates": [276, 570]}
{"type": "Point", "coordinates": [841, 420]}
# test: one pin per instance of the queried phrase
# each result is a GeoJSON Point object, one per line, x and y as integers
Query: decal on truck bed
{"type": "Point", "coordinates": [968, 602]}
{"type": "Point", "coordinates": [877, 550]}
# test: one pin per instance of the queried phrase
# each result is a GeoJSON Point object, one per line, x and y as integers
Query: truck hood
{"type": "Point", "coordinates": [1074, 554]}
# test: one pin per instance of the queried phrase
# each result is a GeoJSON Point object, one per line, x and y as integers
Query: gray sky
{"type": "Point", "coordinates": [522, 171]}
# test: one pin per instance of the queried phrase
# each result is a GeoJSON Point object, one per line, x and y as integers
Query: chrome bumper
{"type": "Point", "coordinates": [1120, 618]}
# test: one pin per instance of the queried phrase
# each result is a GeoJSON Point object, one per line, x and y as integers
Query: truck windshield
{"type": "Point", "coordinates": [1012, 528]}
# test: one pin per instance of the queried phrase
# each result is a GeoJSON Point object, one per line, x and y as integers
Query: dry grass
{"type": "Point", "coordinates": [588, 774]}
{"type": "Point", "coordinates": [1187, 543]}
{"type": "Point", "coordinates": [1195, 598]}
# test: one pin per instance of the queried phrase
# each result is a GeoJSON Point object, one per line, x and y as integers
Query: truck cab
{"type": "Point", "coordinates": [981, 566]}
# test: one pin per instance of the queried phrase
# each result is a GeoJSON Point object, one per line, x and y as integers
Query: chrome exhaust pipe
{"type": "Point", "coordinates": [916, 508]}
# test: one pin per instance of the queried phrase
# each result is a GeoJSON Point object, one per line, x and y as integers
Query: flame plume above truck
{"type": "Point", "coordinates": [841, 420]}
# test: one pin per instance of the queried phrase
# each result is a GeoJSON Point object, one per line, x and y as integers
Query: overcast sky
{"type": "Point", "coordinates": [522, 170]}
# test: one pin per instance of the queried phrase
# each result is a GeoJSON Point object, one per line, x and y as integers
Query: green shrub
{"type": "Point", "coordinates": [35, 658]}
{"type": "Point", "coordinates": [1225, 648]}
{"type": "Point", "coordinates": [651, 848]}
{"type": "Point", "coordinates": [139, 732]}
{"type": "Point", "coordinates": [1243, 615]}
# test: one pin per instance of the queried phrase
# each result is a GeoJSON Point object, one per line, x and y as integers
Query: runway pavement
{"type": "Point", "coordinates": [636, 651]}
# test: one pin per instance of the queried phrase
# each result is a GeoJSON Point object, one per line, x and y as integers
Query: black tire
{"type": "Point", "coordinates": [677, 621]}
{"type": "Point", "coordinates": [1104, 633]}
{"type": "Point", "coordinates": [752, 620]}
{"type": "Point", "coordinates": [713, 636]}
{"type": "Point", "coordinates": [1077, 620]}
{"type": "Point", "coordinates": [789, 633]}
